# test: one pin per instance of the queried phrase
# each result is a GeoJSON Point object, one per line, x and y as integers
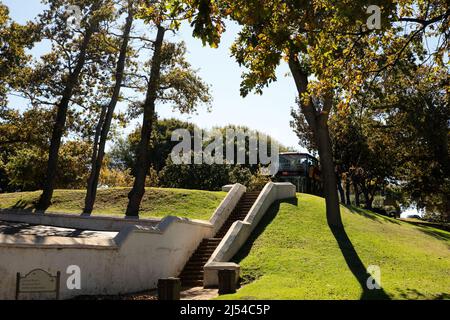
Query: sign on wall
{"type": "Point", "coordinates": [37, 281]}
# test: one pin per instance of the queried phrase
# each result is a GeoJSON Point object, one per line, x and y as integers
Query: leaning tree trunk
{"type": "Point", "coordinates": [357, 193]}
{"type": "Point", "coordinates": [328, 174]}
{"type": "Point", "coordinates": [340, 188]}
{"type": "Point", "coordinates": [318, 123]}
{"type": "Point", "coordinates": [367, 200]}
{"type": "Point", "coordinates": [143, 152]}
{"type": "Point", "coordinates": [347, 191]}
{"type": "Point", "coordinates": [105, 124]}
{"type": "Point", "coordinates": [95, 152]}
{"type": "Point", "coordinates": [60, 123]}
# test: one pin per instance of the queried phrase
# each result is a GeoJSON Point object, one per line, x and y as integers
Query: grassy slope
{"type": "Point", "coordinates": [294, 255]}
{"type": "Point", "coordinates": [192, 204]}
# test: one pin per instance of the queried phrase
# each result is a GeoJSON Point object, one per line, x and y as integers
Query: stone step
{"type": "Point", "coordinates": [201, 258]}
{"type": "Point", "coordinates": [192, 277]}
{"type": "Point", "coordinates": [212, 240]}
{"type": "Point", "coordinates": [195, 264]}
{"type": "Point", "coordinates": [200, 253]}
{"type": "Point", "coordinates": [208, 246]}
{"type": "Point", "coordinates": [192, 272]}
{"type": "Point", "coordinates": [197, 283]}
{"type": "Point", "coordinates": [193, 267]}
{"type": "Point", "coordinates": [205, 252]}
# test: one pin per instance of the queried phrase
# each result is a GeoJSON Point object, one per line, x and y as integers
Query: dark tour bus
{"type": "Point", "coordinates": [302, 170]}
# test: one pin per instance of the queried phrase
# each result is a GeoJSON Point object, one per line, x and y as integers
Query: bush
{"type": "Point", "coordinates": [115, 178]}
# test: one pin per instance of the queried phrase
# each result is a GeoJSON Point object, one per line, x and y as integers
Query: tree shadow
{"type": "Point", "coordinates": [22, 205]}
{"type": "Point", "coordinates": [444, 227]}
{"type": "Point", "coordinates": [371, 215]}
{"type": "Point", "coordinates": [414, 294]}
{"type": "Point", "coordinates": [12, 228]}
{"type": "Point", "coordinates": [356, 266]}
{"type": "Point", "coordinates": [435, 233]}
{"type": "Point", "coordinates": [440, 232]}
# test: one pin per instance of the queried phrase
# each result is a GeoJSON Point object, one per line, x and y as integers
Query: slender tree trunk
{"type": "Point", "coordinates": [95, 151]}
{"type": "Point", "coordinates": [97, 163]}
{"type": "Point", "coordinates": [329, 176]}
{"type": "Point", "coordinates": [143, 153]}
{"type": "Point", "coordinates": [367, 199]}
{"type": "Point", "coordinates": [60, 122]}
{"type": "Point", "coordinates": [347, 191]}
{"type": "Point", "coordinates": [340, 188]}
{"type": "Point", "coordinates": [357, 193]}
{"type": "Point", "coordinates": [318, 122]}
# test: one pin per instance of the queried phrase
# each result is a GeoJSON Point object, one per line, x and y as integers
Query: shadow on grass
{"type": "Point", "coordinates": [27, 206]}
{"type": "Point", "coordinates": [371, 215]}
{"type": "Point", "coordinates": [414, 294]}
{"type": "Point", "coordinates": [440, 232]}
{"type": "Point", "coordinates": [356, 266]}
{"type": "Point", "coordinates": [262, 225]}
{"type": "Point", "coordinates": [436, 233]}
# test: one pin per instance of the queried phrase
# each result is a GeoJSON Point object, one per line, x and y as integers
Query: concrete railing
{"type": "Point", "coordinates": [235, 192]}
{"type": "Point", "coordinates": [131, 260]}
{"type": "Point", "coordinates": [241, 230]}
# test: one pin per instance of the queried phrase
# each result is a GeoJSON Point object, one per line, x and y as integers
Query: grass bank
{"type": "Point", "coordinates": [293, 254]}
{"type": "Point", "coordinates": [193, 204]}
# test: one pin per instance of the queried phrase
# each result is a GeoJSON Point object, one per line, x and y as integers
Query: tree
{"type": "Point", "coordinates": [106, 116]}
{"type": "Point", "coordinates": [308, 35]}
{"type": "Point", "coordinates": [416, 112]}
{"type": "Point", "coordinates": [164, 85]}
{"type": "Point", "coordinates": [55, 21]}
{"type": "Point", "coordinates": [330, 51]}
{"type": "Point", "coordinates": [26, 167]}
{"type": "Point", "coordinates": [22, 131]}
{"type": "Point", "coordinates": [14, 40]}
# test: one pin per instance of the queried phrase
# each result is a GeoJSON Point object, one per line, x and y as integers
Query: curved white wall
{"type": "Point", "coordinates": [140, 254]}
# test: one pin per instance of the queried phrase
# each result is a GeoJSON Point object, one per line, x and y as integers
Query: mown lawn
{"type": "Point", "coordinates": [192, 204]}
{"type": "Point", "coordinates": [293, 254]}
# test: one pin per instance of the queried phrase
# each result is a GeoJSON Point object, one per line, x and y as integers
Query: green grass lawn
{"type": "Point", "coordinates": [293, 254]}
{"type": "Point", "coordinates": [192, 204]}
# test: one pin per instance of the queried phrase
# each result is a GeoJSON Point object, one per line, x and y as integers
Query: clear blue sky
{"type": "Point", "coordinates": [269, 113]}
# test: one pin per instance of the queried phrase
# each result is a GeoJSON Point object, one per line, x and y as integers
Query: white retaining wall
{"type": "Point", "coordinates": [130, 262]}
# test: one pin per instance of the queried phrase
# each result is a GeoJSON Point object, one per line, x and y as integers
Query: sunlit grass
{"type": "Point", "coordinates": [157, 202]}
{"type": "Point", "coordinates": [294, 255]}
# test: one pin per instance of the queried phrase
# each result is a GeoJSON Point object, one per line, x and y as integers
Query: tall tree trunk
{"type": "Point", "coordinates": [105, 124]}
{"type": "Point", "coordinates": [60, 122]}
{"type": "Point", "coordinates": [367, 199]}
{"type": "Point", "coordinates": [318, 122]}
{"type": "Point", "coordinates": [347, 191]}
{"type": "Point", "coordinates": [95, 151]}
{"type": "Point", "coordinates": [357, 193]}
{"type": "Point", "coordinates": [329, 175]}
{"type": "Point", "coordinates": [143, 152]}
{"type": "Point", "coordinates": [340, 188]}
